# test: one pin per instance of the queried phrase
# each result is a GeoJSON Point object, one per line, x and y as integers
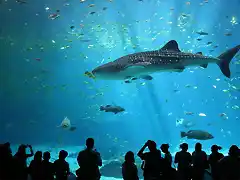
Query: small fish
{"type": "Point", "coordinates": [228, 34]}
{"type": "Point", "coordinates": [104, 8]}
{"type": "Point", "coordinates": [53, 16]}
{"type": "Point", "coordinates": [112, 108]}
{"type": "Point", "coordinates": [91, 5]}
{"type": "Point", "coordinates": [208, 43]}
{"type": "Point", "coordinates": [202, 114]}
{"type": "Point", "coordinates": [222, 114]}
{"type": "Point", "coordinates": [199, 39]}
{"type": "Point", "coordinates": [85, 40]}
{"type": "Point", "coordinates": [197, 134]}
{"type": "Point", "coordinates": [189, 113]}
{"type": "Point", "coordinates": [21, 1]}
{"type": "Point", "coordinates": [89, 74]}
{"type": "Point", "coordinates": [72, 27]}
{"type": "Point", "coordinates": [92, 12]}
{"type": "Point", "coordinates": [202, 33]}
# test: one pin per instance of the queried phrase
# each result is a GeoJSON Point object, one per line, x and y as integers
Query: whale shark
{"type": "Point", "coordinates": [167, 59]}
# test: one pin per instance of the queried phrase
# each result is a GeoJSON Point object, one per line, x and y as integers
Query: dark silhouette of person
{"type": "Point", "coordinates": [89, 161]}
{"type": "Point", "coordinates": [61, 166]}
{"type": "Point", "coordinates": [169, 173]}
{"type": "Point", "coordinates": [152, 161]}
{"type": "Point", "coordinates": [129, 169]}
{"type": "Point", "coordinates": [200, 162]}
{"type": "Point", "coordinates": [167, 155]}
{"type": "Point", "coordinates": [229, 166]}
{"type": "Point", "coordinates": [20, 170]}
{"type": "Point", "coordinates": [213, 159]}
{"type": "Point", "coordinates": [6, 160]}
{"type": "Point", "coordinates": [35, 167]}
{"type": "Point", "coordinates": [184, 159]}
{"type": "Point", "coordinates": [47, 167]}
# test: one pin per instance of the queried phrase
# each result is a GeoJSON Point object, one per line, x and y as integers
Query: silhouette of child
{"type": "Point", "coordinates": [214, 157]}
{"type": "Point", "coordinates": [200, 162]}
{"type": "Point", "coordinates": [61, 166]}
{"type": "Point", "coordinates": [35, 167]}
{"type": "Point", "coordinates": [184, 159]}
{"type": "Point", "coordinates": [47, 167]}
{"type": "Point", "coordinates": [129, 169]}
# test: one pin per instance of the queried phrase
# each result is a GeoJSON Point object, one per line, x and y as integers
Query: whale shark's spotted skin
{"type": "Point", "coordinates": [168, 58]}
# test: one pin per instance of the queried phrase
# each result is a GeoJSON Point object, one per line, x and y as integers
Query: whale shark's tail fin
{"type": "Point", "coordinates": [225, 60]}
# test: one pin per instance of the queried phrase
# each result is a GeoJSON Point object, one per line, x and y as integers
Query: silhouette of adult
{"type": "Point", "coordinates": [35, 167]}
{"type": "Point", "coordinates": [229, 166]}
{"type": "Point", "coordinates": [214, 158]}
{"type": "Point", "coordinates": [183, 159]}
{"type": "Point", "coordinates": [169, 173]}
{"type": "Point", "coordinates": [129, 169]}
{"type": "Point", "coordinates": [200, 162]}
{"type": "Point", "coordinates": [61, 166]}
{"type": "Point", "coordinates": [89, 161]}
{"type": "Point", "coordinates": [20, 170]}
{"type": "Point", "coordinates": [47, 167]}
{"type": "Point", "coordinates": [152, 161]}
{"type": "Point", "coordinates": [5, 161]}
{"type": "Point", "coordinates": [167, 155]}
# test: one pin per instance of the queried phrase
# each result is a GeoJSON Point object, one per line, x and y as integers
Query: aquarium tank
{"type": "Point", "coordinates": [121, 72]}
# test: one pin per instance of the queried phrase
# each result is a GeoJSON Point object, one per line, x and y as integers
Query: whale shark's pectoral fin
{"type": "Point", "coordinates": [171, 46]}
{"type": "Point", "coordinates": [179, 69]}
{"type": "Point", "coordinates": [146, 77]}
{"type": "Point", "coordinates": [204, 65]}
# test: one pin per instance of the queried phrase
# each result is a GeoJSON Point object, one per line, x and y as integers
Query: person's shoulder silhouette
{"type": "Point", "coordinates": [61, 166]}
{"type": "Point", "coordinates": [47, 166]}
{"type": "Point", "coordinates": [89, 161]}
{"type": "Point", "coordinates": [129, 169]}
{"type": "Point", "coordinates": [35, 167]}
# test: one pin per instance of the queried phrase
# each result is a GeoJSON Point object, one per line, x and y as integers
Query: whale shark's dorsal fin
{"type": "Point", "coordinates": [171, 46]}
{"type": "Point", "coordinates": [199, 53]}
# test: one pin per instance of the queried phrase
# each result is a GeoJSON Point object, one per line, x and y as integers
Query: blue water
{"type": "Point", "coordinates": [42, 65]}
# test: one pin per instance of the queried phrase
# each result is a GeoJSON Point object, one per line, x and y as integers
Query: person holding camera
{"type": "Point", "coordinates": [152, 161]}
{"type": "Point", "coordinates": [20, 170]}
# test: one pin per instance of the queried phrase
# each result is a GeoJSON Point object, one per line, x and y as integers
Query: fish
{"type": "Point", "coordinates": [202, 33]}
{"type": "Point", "coordinates": [228, 34]}
{"type": "Point", "coordinates": [66, 124]}
{"type": "Point", "coordinates": [185, 123]}
{"type": "Point", "coordinates": [197, 134]}
{"type": "Point", "coordinates": [188, 113]}
{"type": "Point", "coordinates": [112, 108]}
{"type": "Point", "coordinates": [21, 1]}
{"type": "Point", "coordinates": [167, 59]}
